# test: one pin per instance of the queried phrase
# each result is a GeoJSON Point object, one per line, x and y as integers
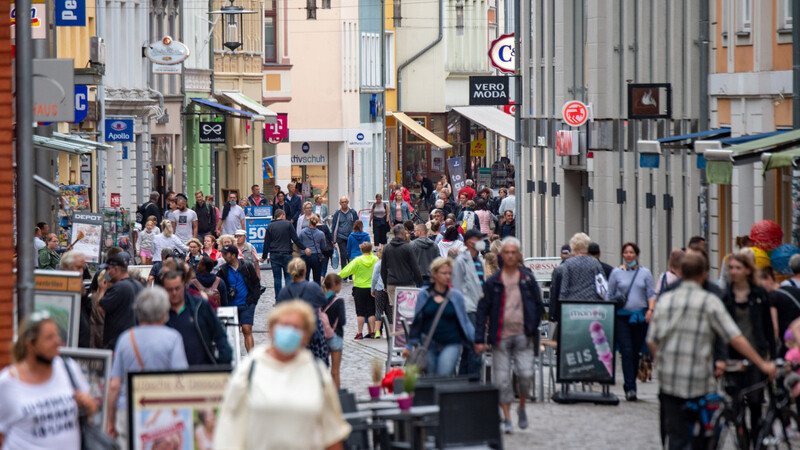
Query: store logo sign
{"type": "Point", "coordinates": [212, 132]}
{"type": "Point", "coordinates": [502, 53]}
{"type": "Point", "coordinates": [488, 90]}
{"type": "Point", "coordinates": [119, 130]}
{"type": "Point", "coordinates": [70, 13]}
{"type": "Point", "coordinates": [309, 154]}
{"type": "Point", "coordinates": [359, 139]}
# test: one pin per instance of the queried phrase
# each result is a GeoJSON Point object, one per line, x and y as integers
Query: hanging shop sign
{"type": "Point", "coordinates": [309, 153]}
{"type": "Point", "coordinates": [81, 102]}
{"type": "Point", "coordinates": [488, 90]}
{"type": "Point", "coordinates": [575, 113]}
{"type": "Point", "coordinates": [359, 139]}
{"type": "Point", "coordinates": [119, 130]}
{"type": "Point", "coordinates": [477, 148]}
{"type": "Point", "coordinates": [268, 168]}
{"type": "Point", "coordinates": [650, 101]}
{"type": "Point", "coordinates": [167, 51]}
{"type": "Point", "coordinates": [502, 53]}
{"type": "Point", "coordinates": [567, 143]}
{"type": "Point", "coordinates": [212, 132]}
{"type": "Point", "coordinates": [277, 132]}
{"type": "Point", "coordinates": [53, 90]}
{"type": "Point", "coordinates": [38, 20]}
{"type": "Point", "coordinates": [70, 13]}
{"type": "Point", "coordinates": [457, 177]}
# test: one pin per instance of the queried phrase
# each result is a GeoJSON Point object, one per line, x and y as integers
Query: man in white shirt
{"type": "Point", "coordinates": [38, 244]}
{"type": "Point", "coordinates": [232, 216]}
{"type": "Point", "coordinates": [184, 220]}
{"type": "Point", "coordinates": [510, 202]}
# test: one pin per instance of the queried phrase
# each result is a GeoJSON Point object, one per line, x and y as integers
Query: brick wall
{"type": "Point", "coordinates": [6, 185]}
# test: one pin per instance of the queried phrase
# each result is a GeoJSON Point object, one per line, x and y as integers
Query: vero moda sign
{"type": "Point", "coordinates": [488, 90]}
{"type": "Point", "coordinates": [119, 130]}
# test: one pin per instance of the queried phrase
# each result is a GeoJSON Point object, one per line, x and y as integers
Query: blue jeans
{"type": "Point", "coordinates": [442, 360]}
{"type": "Point", "coordinates": [325, 266]}
{"type": "Point", "coordinates": [630, 337]}
{"type": "Point", "coordinates": [470, 361]}
{"type": "Point", "coordinates": [313, 267]}
{"type": "Point", "coordinates": [280, 262]}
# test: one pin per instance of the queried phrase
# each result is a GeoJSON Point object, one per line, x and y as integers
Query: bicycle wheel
{"type": "Point", "coordinates": [781, 432]}
{"type": "Point", "coordinates": [728, 436]}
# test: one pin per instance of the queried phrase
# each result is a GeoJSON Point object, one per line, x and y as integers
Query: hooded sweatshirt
{"type": "Point", "coordinates": [361, 269]}
{"type": "Point", "coordinates": [399, 266]}
{"type": "Point", "coordinates": [356, 238]}
{"type": "Point", "coordinates": [425, 251]}
{"type": "Point", "coordinates": [445, 246]}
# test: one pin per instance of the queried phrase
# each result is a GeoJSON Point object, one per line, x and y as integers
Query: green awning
{"type": "Point", "coordinates": [785, 158]}
{"type": "Point", "coordinates": [753, 149]}
{"type": "Point", "coordinates": [719, 172]}
{"type": "Point", "coordinates": [68, 144]}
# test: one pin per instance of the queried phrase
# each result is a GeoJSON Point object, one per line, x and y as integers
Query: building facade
{"type": "Point", "coordinates": [7, 172]}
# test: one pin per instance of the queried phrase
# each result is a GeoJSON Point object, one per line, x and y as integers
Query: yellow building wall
{"type": "Point", "coordinates": [73, 42]}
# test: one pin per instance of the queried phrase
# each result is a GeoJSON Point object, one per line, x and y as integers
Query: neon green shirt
{"type": "Point", "coordinates": [361, 269]}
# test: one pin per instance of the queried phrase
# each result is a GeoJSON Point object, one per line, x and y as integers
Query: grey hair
{"type": "Point", "coordinates": [151, 305]}
{"type": "Point", "coordinates": [439, 204]}
{"type": "Point", "coordinates": [579, 243]}
{"type": "Point", "coordinates": [794, 264]}
{"type": "Point", "coordinates": [68, 259]}
{"type": "Point", "coordinates": [399, 230]}
{"type": "Point", "coordinates": [511, 240]}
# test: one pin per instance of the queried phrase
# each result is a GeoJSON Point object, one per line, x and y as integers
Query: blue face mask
{"type": "Point", "coordinates": [287, 339]}
{"type": "Point", "coordinates": [631, 264]}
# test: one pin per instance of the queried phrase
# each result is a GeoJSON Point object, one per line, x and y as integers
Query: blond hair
{"type": "Point", "coordinates": [295, 307]}
{"type": "Point", "coordinates": [579, 243]}
{"type": "Point", "coordinates": [440, 262]}
{"type": "Point", "coordinates": [194, 241]}
{"type": "Point", "coordinates": [226, 236]}
{"type": "Point", "coordinates": [166, 228]}
{"type": "Point", "coordinates": [366, 247]}
{"type": "Point", "coordinates": [296, 268]}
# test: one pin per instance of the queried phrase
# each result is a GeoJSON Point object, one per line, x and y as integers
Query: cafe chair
{"type": "Point", "coordinates": [469, 417]}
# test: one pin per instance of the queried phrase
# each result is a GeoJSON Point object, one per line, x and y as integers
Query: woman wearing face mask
{"type": "Point", "coordinates": [311, 293]}
{"type": "Point", "coordinates": [36, 392]}
{"type": "Point", "coordinates": [633, 287]}
{"type": "Point", "coordinates": [281, 396]}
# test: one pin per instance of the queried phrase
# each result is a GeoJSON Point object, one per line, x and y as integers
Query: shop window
{"type": "Point", "coordinates": [270, 31]}
{"type": "Point", "coordinates": [747, 15]}
{"type": "Point", "coordinates": [398, 17]}
{"type": "Point", "coordinates": [311, 9]}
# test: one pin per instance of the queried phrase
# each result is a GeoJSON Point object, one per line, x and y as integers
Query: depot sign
{"type": "Point", "coordinates": [502, 53]}
{"type": "Point", "coordinates": [488, 90]}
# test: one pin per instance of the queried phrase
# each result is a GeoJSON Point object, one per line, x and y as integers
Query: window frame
{"type": "Point", "coordinates": [273, 14]}
{"type": "Point", "coordinates": [746, 15]}
{"type": "Point", "coordinates": [390, 81]}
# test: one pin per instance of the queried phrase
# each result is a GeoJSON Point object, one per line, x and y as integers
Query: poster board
{"type": "Point", "coordinates": [586, 342]}
{"type": "Point", "coordinates": [91, 225]}
{"type": "Point", "coordinates": [229, 317]}
{"type": "Point", "coordinates": [363, 216]}
{"type": "Point", "coordinates": [404, 304]}
{"type": "Point", "coordinates": [458, 180]}
{"type": "Point", "coordinates": [96, 367]}
{"type": "Point", "coordinates": [543, 268]}
{"type": "Point", "coordinates": [58, 295]}
{"type": "Point", "coordinates": [256, 229]}
{"type": "Point", "coordinates": [164, 408]}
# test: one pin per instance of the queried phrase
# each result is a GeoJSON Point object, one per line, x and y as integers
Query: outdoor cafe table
{"type": "Point", "coordinates": [405, 420]}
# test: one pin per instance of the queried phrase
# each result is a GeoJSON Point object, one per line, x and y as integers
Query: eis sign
{"type": "Point", "coordinates": [119, 130]}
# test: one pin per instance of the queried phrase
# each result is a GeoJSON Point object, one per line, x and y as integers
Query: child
{"type": "Point", "coordinates": [144, 245]}
{"type": "Point", "coordinates": [336, 313]}
{"type": "Point", "coordinates": [382, 305]}
{"type": "Point", "coordinates": [792, 381]}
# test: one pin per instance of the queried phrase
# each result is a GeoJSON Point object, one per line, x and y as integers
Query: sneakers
{"type": "Point", "coordinates": [377, 335]}
{"type": "Point", "coordinates": [508, 428]}
{"type": "Point", "coordinates": [358, 337]}
{"type": "Point", "coordinates": [368, 336]}
{"type": "Point", "coordinates": [523, 418]}
{"type": "Point", "coordinates": [630, 396]}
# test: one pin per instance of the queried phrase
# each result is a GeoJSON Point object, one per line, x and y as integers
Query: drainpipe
{"type": "Point", "coordinates": [420, 53]}
{"type": "Point", "coordinates": [703, 125]}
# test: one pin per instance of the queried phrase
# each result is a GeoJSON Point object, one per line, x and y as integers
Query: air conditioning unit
{"type": "Point", "coordinates": [97, 51]}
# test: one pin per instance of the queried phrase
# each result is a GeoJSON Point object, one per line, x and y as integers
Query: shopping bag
{"type": "Point", "coordinates": [335, 259]}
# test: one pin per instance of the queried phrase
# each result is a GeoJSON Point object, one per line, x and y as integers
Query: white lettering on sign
{"type": "Point", "coordinates": [70, 6]}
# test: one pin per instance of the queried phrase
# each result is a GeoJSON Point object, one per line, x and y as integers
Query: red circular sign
{"type": "Point", "coordinates": [575, 113]}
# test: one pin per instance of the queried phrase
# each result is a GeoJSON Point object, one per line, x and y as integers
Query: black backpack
{"type": "Point", "coordinates": [141, 212]}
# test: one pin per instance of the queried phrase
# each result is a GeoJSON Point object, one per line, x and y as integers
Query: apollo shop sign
{"type": "Point", "coordinates": [212, 132]}
{"type": "Point", "coordinates": [119, 130]}
{"type": "Point", "coordinates": [502, 53]}
{"type": "Point", "coordinates": [488, 90]}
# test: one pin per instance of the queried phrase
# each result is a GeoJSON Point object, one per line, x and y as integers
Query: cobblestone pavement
{"type": "Point", "coordinates": [552, 426]}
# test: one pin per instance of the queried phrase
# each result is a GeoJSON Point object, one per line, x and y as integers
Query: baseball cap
{"type": "Point", "coordinates": [117, 260]}
{"type": "Point", "coordinates": [594, 249]}
{"type": "Point", "coordinates": [230, 249]}
{"type": "Point", "coordinates": [565, 249]}
{"type": "Point", "coordinates": [473, 233]}
{"type": "Point", "coordinates": [240, 233]}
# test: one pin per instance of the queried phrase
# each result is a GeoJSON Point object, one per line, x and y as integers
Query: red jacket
{"type": "Point", "coordinates": [467, 190]}
{"type": "Point", "coordinates": [406, 198]}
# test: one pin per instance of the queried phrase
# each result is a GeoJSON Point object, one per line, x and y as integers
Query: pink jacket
{"type": "Point", "coordinates": [485, 221]}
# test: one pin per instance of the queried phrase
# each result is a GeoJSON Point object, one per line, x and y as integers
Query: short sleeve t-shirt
{"type": "Point", "coordinates": [233, 221]}
{"type": "Point", "coordinates": [513, 315]}
{"type": "Point", "coordinates": [236, 281]}
{"type": "Point", "coordinates": [183, 224]}
{"type": "Point", "coordinates": [117, 304]}
{"type": "Point", "coordinates": [41, 416]}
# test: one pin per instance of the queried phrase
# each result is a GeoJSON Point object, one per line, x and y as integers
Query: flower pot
{"type": "Point", "coordinates": [375, 392]}
{"type": "Point", "coordinates": [405, 403]}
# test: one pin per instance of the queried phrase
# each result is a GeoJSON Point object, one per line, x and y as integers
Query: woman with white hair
{"type": "Point", "coordinates": [149, 347]}
{"type": "Point", "coordinates": [281, 396]}
{"type": "Point", "coordinates": [578, 273]}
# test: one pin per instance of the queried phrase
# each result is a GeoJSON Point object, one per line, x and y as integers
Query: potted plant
{"type": "Point", "coordinates": [409, 384]}
{"type": "Point", "coordinates": [377, 376]}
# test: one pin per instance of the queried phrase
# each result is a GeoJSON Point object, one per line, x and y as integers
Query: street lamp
{"type": "Point", "coordinates": [233, 33]}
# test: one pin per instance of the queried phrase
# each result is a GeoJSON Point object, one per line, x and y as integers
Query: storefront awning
{"type": "Point", "coordinates": [490, 118]}
{"type": "Point", "coordinates": [705, 135]}
{"type": "Point", "coordinates": [748, 138]}
{"type": "Point", "coordinates": [262, 112]}
{"type": "Point", "coordinates": [786, 158]}
{"type": "Point", "coordinates": [227, 110]}
{"type": "Point", "coordinates": [720, 172]}
{"type": "Point", "coordinates": [68, 144]}
{"type": "Point", "coordinates": [421, 132]}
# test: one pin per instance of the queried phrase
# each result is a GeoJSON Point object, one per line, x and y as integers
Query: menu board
{"type": "Point", "coordinates": [586, 342]}
{"type": "Point", "coordinates": [176, 410]}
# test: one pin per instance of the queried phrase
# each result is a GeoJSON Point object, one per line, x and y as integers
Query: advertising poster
{"type": "Point", "coordinates": [363, 216]}
{"type": "Point", "coordinates": [87, 233]}
{"type": "Point", "coordinates": [268, 168]}
{"type": "Point", "coordinates": [457, 177]}
{"type": "Point", "coordinates": [175, 410]}
{"type": "Point", "coordinates": [58, 295]}
{"type": "Point", "coordinates": [586, 342]}
{"type": "Point", "coordinates": [404, 304]}
{"type": "Point", "coordinates": [256, 230]}
{"type": "Point", "coordinates": [96, 367]}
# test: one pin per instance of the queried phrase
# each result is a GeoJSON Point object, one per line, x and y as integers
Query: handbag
{"type": "Point", "coordinates": [419, 355]}
{"type": "Point", "coordinates": [622, 299]}
{"type": "Point", "coordinates": [92, 438]}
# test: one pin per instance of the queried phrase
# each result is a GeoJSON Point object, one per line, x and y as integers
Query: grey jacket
{"type": "Point", "coordinates": [425, 251]}
{"type": "Point", "coordinates": [466, 280]}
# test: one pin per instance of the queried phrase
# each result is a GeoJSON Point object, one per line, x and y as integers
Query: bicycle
{"type": "Point", "coordinates": [780, 427]}
{"type": "Point", "coordinates": [727, 424]}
